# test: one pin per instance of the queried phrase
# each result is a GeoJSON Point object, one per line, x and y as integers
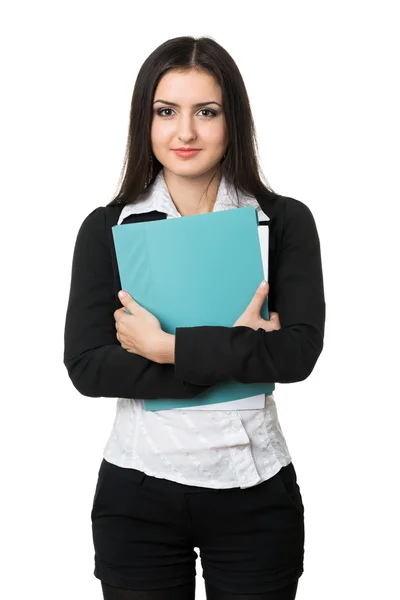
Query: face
{"type": "Point", "coordinates": [188, 113]}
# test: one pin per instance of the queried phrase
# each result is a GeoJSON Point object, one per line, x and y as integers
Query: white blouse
{"type": "Point", "coordinates": [206, 448]}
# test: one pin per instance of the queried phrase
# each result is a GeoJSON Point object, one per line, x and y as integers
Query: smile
{"type": "Point", "coordinates": [186, 153]}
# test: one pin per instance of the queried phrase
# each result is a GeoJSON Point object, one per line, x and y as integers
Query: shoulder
{"type": "Point", "coordinates": [105, 213]}
{"type": "Point", "coordinates": [292, 215]}
{"type": "Point", "coordinates": [101, 218]}
{"type": "Point", "coordinates": [96, 226]}
{"type": "Point", "coordinates": [281, 208]}
{"type": "Point", "coordinates": [287, 207]}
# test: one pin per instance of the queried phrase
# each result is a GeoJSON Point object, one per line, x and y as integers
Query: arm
{"type": "Point", "coordinates": [210, 354]}
{"type": "Point", "coordinates": [96, 363]}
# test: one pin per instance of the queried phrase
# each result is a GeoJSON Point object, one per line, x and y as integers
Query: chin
{"type": "Point", "coordinates": [189, 168]}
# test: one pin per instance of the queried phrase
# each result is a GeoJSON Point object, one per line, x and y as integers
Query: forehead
{"type": "Point", "coordinates": [188, 87]}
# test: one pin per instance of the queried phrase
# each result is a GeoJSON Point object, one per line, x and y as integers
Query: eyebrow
{"type": "Point", "coordinates": [194, 105]}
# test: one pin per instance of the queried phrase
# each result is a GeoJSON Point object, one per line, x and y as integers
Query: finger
{"type": "Point", "coordinates": [258, 298]}
{"type": "Point", "coordinates": [119, 338]}
{"type": "Point", "coordinates": [274, 322]}
{"type": "Point", "coordinates": [119, 312]}
{"type": "Point", "coordinates": [128, 302]}
{"type": "Point", "coordinates": [274, 318]}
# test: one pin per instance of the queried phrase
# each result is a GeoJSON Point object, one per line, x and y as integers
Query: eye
{"type": "Point", "coordinates": [212, 113]}
{"type": "Point", "coordinates": [163, 110]}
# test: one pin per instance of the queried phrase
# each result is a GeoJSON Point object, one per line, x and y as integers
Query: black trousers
{"type": "Point", "coordinates": [145, 529]}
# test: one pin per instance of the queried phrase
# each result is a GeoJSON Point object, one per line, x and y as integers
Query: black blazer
{"type": "Point", "coordinates": [99, 367]}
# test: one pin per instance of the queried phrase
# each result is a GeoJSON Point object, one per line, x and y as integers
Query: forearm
{"type": "Point", "coordinates": [111, 372]}
{"type": "Point", "coordinates": [210, 355]}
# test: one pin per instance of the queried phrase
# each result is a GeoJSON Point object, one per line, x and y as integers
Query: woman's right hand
{"type": "Point", "coordinates": [251, 316]}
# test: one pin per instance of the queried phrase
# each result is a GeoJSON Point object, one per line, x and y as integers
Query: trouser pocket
{"type": "Point", "coordinates": [287, 479]}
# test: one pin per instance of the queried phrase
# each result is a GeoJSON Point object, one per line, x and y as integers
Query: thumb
{"type": "Point", "coordinates": [127, 300]}
{"type": "Point", "coordinates": [259, 297]}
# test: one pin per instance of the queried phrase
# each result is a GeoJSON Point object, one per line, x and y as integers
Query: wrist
{"type": "Point", "coordinates": [166, 349]}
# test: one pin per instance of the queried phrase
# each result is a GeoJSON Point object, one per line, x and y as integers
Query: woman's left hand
{"type": "Point", "coordinates": [139, 332]}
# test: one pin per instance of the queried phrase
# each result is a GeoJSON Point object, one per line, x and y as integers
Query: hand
{"type": "Point", "coordinates": [140, 332]}
{"type": "Point", "coordinates": [251, 316]}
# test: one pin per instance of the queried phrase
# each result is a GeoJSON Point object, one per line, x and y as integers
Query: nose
{"type": "Point", "coordinates": [185, 128]}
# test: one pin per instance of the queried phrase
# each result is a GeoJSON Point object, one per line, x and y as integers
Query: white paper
{"type": "Point", "coordinates": [251, 403]}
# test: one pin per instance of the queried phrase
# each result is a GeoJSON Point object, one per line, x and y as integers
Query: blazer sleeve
{"type": "Point", "coordinates": [211, 354]}
{"type": "Point", "coordinates": [96, 363]}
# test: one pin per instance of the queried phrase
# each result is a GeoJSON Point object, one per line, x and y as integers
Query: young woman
{"type": "Point", "coordinates": [172, 480]}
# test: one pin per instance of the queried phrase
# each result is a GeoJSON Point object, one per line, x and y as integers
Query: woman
{"type": "Point", "coordinates": [172, 480]}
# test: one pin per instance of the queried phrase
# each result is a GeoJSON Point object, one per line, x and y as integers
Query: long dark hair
{"type": "Point", "coordinates": [240, 166]}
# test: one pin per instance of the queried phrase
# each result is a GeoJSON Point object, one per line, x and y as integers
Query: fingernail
{"type": "Point", "coordinates": [122, 294]}
{"type": "Point", "coordinates": [263, 284]}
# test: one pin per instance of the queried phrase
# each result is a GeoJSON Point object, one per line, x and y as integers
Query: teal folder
{"type": "Point", "coordinates": [195, 270]}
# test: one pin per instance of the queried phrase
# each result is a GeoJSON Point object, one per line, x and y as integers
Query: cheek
{"type": "Point", "coordinates": [215, 132]}
{"type": "Point", "coordinates": [217, 137]}
{"type": "Point", "coordinates": [160, 132]}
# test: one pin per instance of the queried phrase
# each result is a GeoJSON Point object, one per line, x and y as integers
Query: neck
{"type": "Point", "coordinates": [193, 196]}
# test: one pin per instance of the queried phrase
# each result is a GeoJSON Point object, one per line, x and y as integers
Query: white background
{"type": "Point", "coordinates": [323, 83]}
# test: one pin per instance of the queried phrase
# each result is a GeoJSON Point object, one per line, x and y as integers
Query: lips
{"type": "Point", "coordinates": [186, 153]}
